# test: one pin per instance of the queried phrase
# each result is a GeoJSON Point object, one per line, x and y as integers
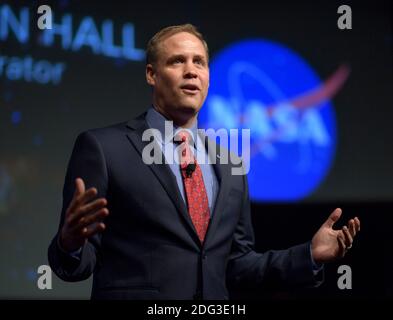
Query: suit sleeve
{"type": "Point", "coordinates": [87, 162]}
{"type": "Point", "coordinates": [275, 268]}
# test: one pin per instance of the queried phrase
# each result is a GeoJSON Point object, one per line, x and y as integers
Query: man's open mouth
{"type": "Point", "coordinates": [190, 88]}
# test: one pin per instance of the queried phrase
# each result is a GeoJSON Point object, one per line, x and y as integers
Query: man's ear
{"type": "Point", "coordinates": [150, 74]}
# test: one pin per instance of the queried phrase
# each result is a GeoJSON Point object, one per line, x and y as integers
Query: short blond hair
{"type": "Point", "coordinates": [153, 44]}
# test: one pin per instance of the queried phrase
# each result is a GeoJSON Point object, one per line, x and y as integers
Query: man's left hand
{"type": "Point", "coordinates": [328, 244]}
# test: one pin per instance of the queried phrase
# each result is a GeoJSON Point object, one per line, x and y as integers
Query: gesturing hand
{"type": "Point", "coordinates": [328, 244]}
{"type": "Point", "coordinates": [83, 217]}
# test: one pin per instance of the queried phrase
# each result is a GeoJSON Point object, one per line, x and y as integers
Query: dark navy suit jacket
{"type": "Point", "coordinates": [150, 249]}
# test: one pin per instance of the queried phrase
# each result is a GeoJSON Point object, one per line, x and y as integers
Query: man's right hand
{"type": "Point", "coordinates": [83, 217]}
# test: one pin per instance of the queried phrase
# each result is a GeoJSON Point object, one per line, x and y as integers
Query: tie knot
{"type": "Point", "coordinates": [183, 136]}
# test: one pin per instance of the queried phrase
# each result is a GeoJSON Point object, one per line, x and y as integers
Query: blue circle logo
{"type": "Point", "coordinates": [269, 89]}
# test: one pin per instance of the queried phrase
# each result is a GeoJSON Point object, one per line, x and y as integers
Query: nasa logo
{"type": "Point", "coordinates": [267, 88]}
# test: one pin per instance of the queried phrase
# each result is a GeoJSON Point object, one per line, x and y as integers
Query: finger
{"type": "Point", "coordinates": [79, 186]}
{"type": "Point", "coordinates": [341, 242]}
{"type": "Point", "coordinates": [348, 237]}
{"type": "Point", "coordinates": [357, 224]}
{"type": "Point", "coordinates": [84, 211]}
{"type": "Point", "coordinates": [334, 216]}
{"type": "Point", "coordinates": [79, 190]}
{"type": "Point", "coordinates": [94, 229]}
{"type": "Point", "coordinates": [352, 228]}
{"type": "Point", "coordinates": [91, 219]}
{"type": "Point", "coordinates": [87, 196]}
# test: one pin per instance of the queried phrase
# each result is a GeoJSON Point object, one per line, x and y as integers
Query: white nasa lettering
{"type": "Point", "coordinates": [257, 118]}
{"type": "Point", "coordinates": [285, 118]}
{"type": "Point", "coordinates": [286, 124]}
{"type": "Point", "coordinates": [313, 129]}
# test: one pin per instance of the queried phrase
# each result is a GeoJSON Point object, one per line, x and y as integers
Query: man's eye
{"type": "Point", "coordinates": [200, 62]}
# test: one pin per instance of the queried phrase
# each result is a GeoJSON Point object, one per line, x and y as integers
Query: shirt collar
{"type": "Point", "coordinates": [156, 120]}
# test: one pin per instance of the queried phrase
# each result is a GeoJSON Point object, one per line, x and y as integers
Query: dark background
{"type": "Point", "coordinates": [96, 91]}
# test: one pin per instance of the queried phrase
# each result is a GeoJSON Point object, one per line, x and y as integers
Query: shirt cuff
{"type": "Point", "coordinates": [316, 267]}
{"type": "Point", "coordinates": [74, 254]}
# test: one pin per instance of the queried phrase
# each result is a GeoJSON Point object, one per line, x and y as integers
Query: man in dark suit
{"type": "Point", "coordinates": [177, 230]}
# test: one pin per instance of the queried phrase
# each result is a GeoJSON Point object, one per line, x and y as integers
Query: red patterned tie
{"type": "Point", "coordinates": [197, 202]}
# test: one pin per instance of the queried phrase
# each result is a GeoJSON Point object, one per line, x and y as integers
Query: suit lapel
{"type": "Point", "coordinates": [161, 171]}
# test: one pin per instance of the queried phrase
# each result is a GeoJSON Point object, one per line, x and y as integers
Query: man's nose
{"type": "Point", "coordinates": [190, 71]}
